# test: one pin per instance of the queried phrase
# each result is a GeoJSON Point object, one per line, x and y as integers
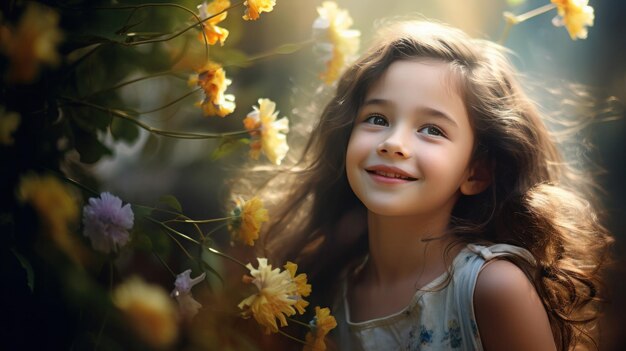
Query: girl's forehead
{"type": "Point", "coordinates": [421, 79]}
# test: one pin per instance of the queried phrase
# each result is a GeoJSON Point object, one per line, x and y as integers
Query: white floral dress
{"type": "Point", "coordinates": [435, 319]}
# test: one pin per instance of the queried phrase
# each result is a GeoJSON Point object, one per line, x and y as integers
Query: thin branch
{"type": "Point", "coordinates": [512, 19]}
{"type": "Point", "coordinates": [171, 102]}
{"type": "Point", "coordinates": [77, 184]}
{"type": "Point", "coordinates": [164, 263]}
{"type": "Point", "coordinates": [299, 322]}
{"type": "Point", "coordinates": [171, 134]}
{"type": "Point", "coordinates": [212, 250]}
{"type": "Point", "coordinates": [170, 229]}
{"type": "Point", "coordinates": [203, 220]}
{"type": "Point", "coordinates": [154, 75]}
{"type": "Point", "coordinates": [174, 35]}
{"type": "Point", "coordinates": [292, 337]}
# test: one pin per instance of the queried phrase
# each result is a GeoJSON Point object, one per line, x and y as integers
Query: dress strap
{"type": "Point", "coordinates": [498, 250]}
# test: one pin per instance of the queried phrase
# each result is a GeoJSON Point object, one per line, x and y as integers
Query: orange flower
{"type": "Point", "coordinates": [209, 27]}
{"type": "Point", "coordinates": [302, 288]}
{"type": "Point", "coordinates": [249, 215]}
{"type": "Point", "coordinates": [274, 298]}
{"type": "Point", "coordinates": [255, 7]}
{"type": "Point", "coordinates": [268, 134]}
{"type": "Point", "coordinates": [33, 42]}
{"type": "Point", "coordinates": [337, 43]}
{"type": "Point", "coordinates": [212, 79]}
{"type": "Point", "coordinates": [575, 15]}
{"type": "Point", "coordinates": [321, 324]}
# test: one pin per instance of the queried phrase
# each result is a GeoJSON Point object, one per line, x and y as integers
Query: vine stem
{"type": "Point", "coordinates": [170, 229]}
{"type": "Point", "coordinates": [77, 184]}
{"type": "Point", "coordinates": [221, 254]}
{"type": "Point", "coordinates": [154, 75]}
{"type": "Point", "coordinates": [292, 337]}
{"type": "Point", "coordinates": [512, 19]}
{"type": "Point", "coordinates": [170, 134]}
{"type": "Point", "coordinates": [299, 322]}
{"type": "Point", "coordinates": [174, 35]}
{"type": "Point", "coordinates": [164, 264]}
{"type": "Point", "coordinates": [202, 220]}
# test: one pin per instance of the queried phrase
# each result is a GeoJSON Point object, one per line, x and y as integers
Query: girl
{"type": "Point", "coordinates": [434, 210]}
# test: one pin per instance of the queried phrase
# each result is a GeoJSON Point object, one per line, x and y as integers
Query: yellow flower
{"type": "Point", "coordinates": [302, 288]}
{"type": "Point", "coordinates": [337, 43]}
{"type": "Point", "coordinates": [274, 299]}
{"type": "Point", "coordinates": [255, 7]}
{"type": "Point", "coordinates": [9, 121]}
{"type": "Point", "coordinates": [212, 79]}
{"type": "Point", "coordinates": [56, 208]}
{"type": "Point", "coordinates": [33, 42]}
{"type": "Point", "coordinates": [249, 215]}
{"type": "Point", "coordinates": [575, 15]}
{"type": "Point", "coordinates": [321, 324]}
{"type": "Point", "coordinates": [209, 27]}
{"type": "Point", "coordinates": [268, 134]}
{"type": "Point", "coordinates": [149, 310]}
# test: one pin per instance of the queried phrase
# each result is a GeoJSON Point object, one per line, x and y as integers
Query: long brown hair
{"type": "Point", "coordinates": [536, 200]}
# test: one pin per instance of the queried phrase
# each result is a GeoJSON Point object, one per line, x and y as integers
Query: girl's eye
{"type": "Point", "coordinates": [431, 130]}
{"type": "Point", "coordinates": [377, 120]}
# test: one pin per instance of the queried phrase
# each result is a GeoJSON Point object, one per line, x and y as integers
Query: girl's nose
{"type": "Point", "coordinates": [393, 147]}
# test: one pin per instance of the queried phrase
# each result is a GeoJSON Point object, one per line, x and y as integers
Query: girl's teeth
{"type": "Point", "coordinates": [390, 175]}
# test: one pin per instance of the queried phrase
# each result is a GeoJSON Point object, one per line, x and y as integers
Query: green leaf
{"type": "Point", "coordinates": [232, 57]}
{"type": "Point", "coordinates": [30, 274]}
{"type": "Point", "coordinates": [124, 130]}
{"type": "Point", "coordinates": [171, 201]}
{"type": "Point", "coordinates": [141, 212]}
{"type": "Point", "coordinates": [207, 267]}
{"type": "Point", "coordinates": [287, 48]}
{"type": "Point", "coordinates": [227, 146]}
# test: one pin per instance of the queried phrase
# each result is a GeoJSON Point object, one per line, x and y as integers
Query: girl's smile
{"type": "Point", "coordinates": [389, 175]}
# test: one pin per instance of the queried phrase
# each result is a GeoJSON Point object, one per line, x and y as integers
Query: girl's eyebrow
{"type": "Point", "coordinates": [428, 111]}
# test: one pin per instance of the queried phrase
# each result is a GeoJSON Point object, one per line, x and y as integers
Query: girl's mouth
{"type": "Point", "coordinates": [389, 175]}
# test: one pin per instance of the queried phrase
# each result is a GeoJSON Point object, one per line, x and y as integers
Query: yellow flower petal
{"type": "Point", "coordinates": [274, 298]}
{"type": "Point", "coordinates": [256, 7]}
{"type": "Point", "coordinates": [250, 215]}
{"type": "Point", "coordinates": [263, 126]}
{"type": "Point", "coordinates": [302, 288]}
{"type": "Point", "coordinates": [56, 208]}
{"type": "Point", "coordinates": [150, 311]}
{"type": "Point", "coordinates": [323, 323]}
{"type": "Point", "coordinates": [575, 15]}
{"type": "Point", "coordinates": [212, 79]}
{"type": "Point", "coordinates": [338, 42]}
{"type": "Point", "coordinates": [209, 27]}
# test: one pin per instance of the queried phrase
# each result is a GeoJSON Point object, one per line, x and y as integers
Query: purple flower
{"type": "Point", "coordinates": [182, 292]}
{"type": "Point", "coordinates": [107, 222]}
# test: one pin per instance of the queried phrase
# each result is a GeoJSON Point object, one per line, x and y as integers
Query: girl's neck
{"type": "Point", "coordinates": [400, 249]}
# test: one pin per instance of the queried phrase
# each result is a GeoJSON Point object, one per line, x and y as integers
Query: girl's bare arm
{"type": "Point", "coordinates": [508, 310]}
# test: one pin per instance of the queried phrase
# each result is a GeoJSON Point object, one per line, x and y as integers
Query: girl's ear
{"type": "Point", "coordinates": [478, 179]}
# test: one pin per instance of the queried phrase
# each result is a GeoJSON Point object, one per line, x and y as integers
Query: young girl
{"type": "Point", "coordinates": [434, 210]}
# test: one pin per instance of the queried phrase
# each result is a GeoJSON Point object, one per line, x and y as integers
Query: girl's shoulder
{"type": "Point", "coordinates": [507, 307]}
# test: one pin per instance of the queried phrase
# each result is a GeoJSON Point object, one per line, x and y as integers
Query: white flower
{"type": "Point", "coordinates": [182, 292]}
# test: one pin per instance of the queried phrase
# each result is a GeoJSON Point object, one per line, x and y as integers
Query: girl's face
{"type": "Point", "coordinates": [411, 145]}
